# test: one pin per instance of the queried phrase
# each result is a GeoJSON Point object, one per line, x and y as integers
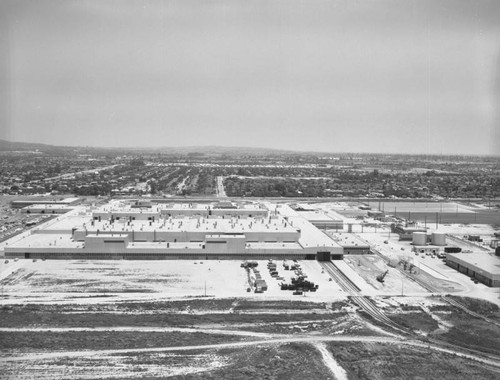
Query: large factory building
{"type": "Point", "coordinates": [127, 230]}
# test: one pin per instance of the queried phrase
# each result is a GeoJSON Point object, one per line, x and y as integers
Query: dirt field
{"type": "Point", "coordinates": [131, 320]}
{"type": "Point", "coordinates": [40, 341]}
{"type": "Point", "coordinates": [448, 323]}
{"type": "Point", "coordinates": [113, 281]}
{"type": "Point", "coordinates": [386, 361]}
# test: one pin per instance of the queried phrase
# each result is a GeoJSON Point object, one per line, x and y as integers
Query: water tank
{"type": "Point", "coordinates": [419, 238]}
{"type": "Point", "coordinates": [438, 238]}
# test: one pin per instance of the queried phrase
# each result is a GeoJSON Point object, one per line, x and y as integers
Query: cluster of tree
{"type": "Point", "coordinates": [276, 187]}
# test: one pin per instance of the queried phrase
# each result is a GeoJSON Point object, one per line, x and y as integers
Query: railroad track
{"type": "Point", "coordinates": [366, 304]}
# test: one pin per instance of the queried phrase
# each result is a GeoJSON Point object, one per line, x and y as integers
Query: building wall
{"type": "Point", "coordinates": [163, 253]}
{"type": "Point", "coordinates": [356, 250]}
{"type": "Point", "coordinates": [119, 215]}
{"type": "Point", "coordinates": [193, 236]}
{"type": "Point", "coordinates": [184, 212]}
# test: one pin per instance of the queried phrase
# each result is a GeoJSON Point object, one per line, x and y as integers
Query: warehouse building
{"type": "Point", "coordinates": [46, 209]}
{"type": "Point", "coordinates": [483, 267]}
{"type": "Point", "coordinates": [63, 202]}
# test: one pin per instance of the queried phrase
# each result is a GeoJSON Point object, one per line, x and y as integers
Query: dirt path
{"type": "Point", "coordinates": [337, 371]}
{"type": "Point", "coordinates": [493, 362]}
{"type": "Point", "coordinates": [221, 193]}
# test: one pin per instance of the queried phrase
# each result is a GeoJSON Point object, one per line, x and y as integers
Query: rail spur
{"type": "Point", "coordinates": [434, 290]}
{"type": "Point", "coordinates": [355, 294]}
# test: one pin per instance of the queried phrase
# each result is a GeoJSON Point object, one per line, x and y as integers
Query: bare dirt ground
{"type": "Point", "coordinates": [59, 281]}
{"type": "Point", "coordinates": [131, 320]}
{"type": "Point", "coordinates": [390, 361]}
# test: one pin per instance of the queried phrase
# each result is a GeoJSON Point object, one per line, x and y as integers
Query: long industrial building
{"type": "Point", "coordinates": [483, 267]}
{"type": "Point", "coordinates": [146, 230]}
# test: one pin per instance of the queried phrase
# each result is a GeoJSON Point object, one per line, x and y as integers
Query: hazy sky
{"type": "Point", "coordinates": [340, 76]}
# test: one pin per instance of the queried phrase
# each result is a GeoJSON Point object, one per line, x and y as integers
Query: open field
{"type": "Point", "coordinates": [384, 361]}
{"type": "Point", "coordinates": [119, 280]}
{"type": "Point", "coordinates": [291, 361]}
{"type": "Point", "coordinates": [228, 339]}
{"type": "Point", "coordinates": [17, 317]}
{"type": "Point", "coordinates": [41, 341]}
{"type": "Point", "coordinates": [448, 323]}
{"type": "Point", "coordinates": [134, 319]}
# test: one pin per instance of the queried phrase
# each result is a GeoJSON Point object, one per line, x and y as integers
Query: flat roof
{"type": "Point", "coordinates": [284, 246]}
{"type": "Point", "coordinates": [210, 226]}
{"type": "Point", "coordinates": [48, 206]}
{"type": "Point", "coordinates": [478, 261]}
{"type": "Point", "coordinates": [317, 216]}
{"type": "Point", "coordinates": [46, 241]}
{"type": "Point", "coordinates": [127, 209]}
{"type": "Point", "coordinates": [66, 222]}
{"type": "Point", "coordinates": [346, 239]}
{"type": "Point", "coordinates": [310, 236]}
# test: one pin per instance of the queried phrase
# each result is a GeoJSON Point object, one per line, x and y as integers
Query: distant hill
{"type": "Point", "coordinates": [6, 146]}
{"type": "Point", "coordinates": [12, 146]}
{"type": "Point", "coordinates": [213, 149]}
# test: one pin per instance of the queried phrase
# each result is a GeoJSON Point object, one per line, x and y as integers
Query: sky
{"type": "Point", "coordinates": [377, 76]}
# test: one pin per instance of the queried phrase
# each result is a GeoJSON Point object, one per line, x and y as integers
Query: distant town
{"type": "Point", "coordinates": [242, 263]}
{"type": "Point", "coordinates": [29, 169]}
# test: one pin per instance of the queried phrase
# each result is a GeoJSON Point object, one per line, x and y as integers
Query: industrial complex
{"type": "Point", "coordinates": [169, 269]}
{"type": "Point", "coordinates": [148, 229]}
{"type": "Point", "coordinates": [145, 230]}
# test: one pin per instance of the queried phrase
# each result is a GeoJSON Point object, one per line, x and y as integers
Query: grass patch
{"type": "Point", "coordinates": [244, 305]}
{"type": "Point", "coordinates": [104, 340]}
{"type": "Point", "coordinates": [476, 334]}
{"type": "Point", "coordinates": [378, 361]}
{"type": "Point", "coordinates": [417, 321]}
{"type": "Point", "coordinates": [485, 308]}
{"type": "Point", "coordinates": [292, 361]}
{"type": "Point", "coordinates": [48, 319]}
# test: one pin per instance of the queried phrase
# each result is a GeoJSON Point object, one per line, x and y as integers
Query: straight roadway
{"type": "Point", "coordinates": [221, 193]}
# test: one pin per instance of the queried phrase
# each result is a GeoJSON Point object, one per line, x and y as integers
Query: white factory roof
{"type": "Point", "coordinates": [310, 236]}
{"type": "Point", "coordinates": [127, 209]}
{"type": "Point", "coordinates": [227, 225]}
{"type": "Point", "coordinates": [45, 241]}
{"type": "Point", "coordinates": [346, 239]}
{"type": "Point", "coordinates": [317, 216]}
{"type": "Point", "coordinates": [284, 246]}
{"type": "Point", "coordinates": [478, 261]}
